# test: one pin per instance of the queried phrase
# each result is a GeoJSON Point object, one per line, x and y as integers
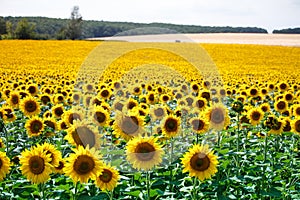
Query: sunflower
{"type": "Point", "coordinates": [189, 100]}
{"type": "Point", "coordinates": [71, 115]}
{"type": "Point", "coordinates": [296, 110]}
{"type": "Point", "coordinates": [283, 86]}
{"type": "Point", "coordinates": [4, 165]}
{"type": "Point", "coordinates": [158, 112]}
{"type": "Point", "coordinates": [165, 98]}
{"type": "Point", "coordinates": [289, 97]}
{"type": "Point", "coordinates": [265, 107]}
{"type": "Point", "coordinates": [51, 123]}
{"type": "Point", "coordinates": [105, 93]}
{"type": "Point", "coordinates": [200, 103]}
{"type": "Point", "coordinates": [128, 126]}
{"type": "Point", "coordinates": [253, 92]}
{"type": "Point", "coordinates": [199, 125]}
{"type": "Point", "coordinates": [295, 124]}
{"type": "Point", "coordinates": [58, 98]}
{"type": "Point", "coordinates": [55, 155]}
{"type": "Point", "coordinates": [108, 179]}
{"type": "Point", "coordinates": [131, 103]}
{"type": "Point", "coordinates": [58, 110]}
{"type": "Point", "coordinates": [218, 117]}
{"type": "Point", "coordinates": [14, 99]}
{"type": "Point", "coordinates": [281, 106]}
{"type": "Point", "coordinates": [8, 114]}
{"type": "Point", "coordinates": [32, 89]}
{"type": "Point", "coordinates": [35, 165]}
{"type": "Point", "coordinates": [83, 164]}
{"type": "Point", "coordinates": [151, 98]}
{"type": "Point", "coordinates": [170, 126]}
{"type": "Point", "coordinates": [34, 126]}
{"type": "Point", "coordinates": [255, 115]}
{"type": "Point", "coordinates": [76, 97]}
{"type": "Point", "coordinates": [200, 162]}
{"type": "Point", "coordinates": [29, 106]}
{"type": "Point", "coordinates": [100, 116]}
{"type": "Point", "coordinates": [82, 134]}
{"type": "Point", "coordinates": [277, 128]}
{"type": "Point", "coordinates": [45, 98]}
{"type": "Point", "coordinates": [144, 153]}
{"type": "Point", "coordinates": [2, 145]}
{"type": "Point", "coordinates": [205, 94]}
{"type": "Point", "coordinates": [60, 168]}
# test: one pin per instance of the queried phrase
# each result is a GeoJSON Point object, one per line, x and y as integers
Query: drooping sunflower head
{"type": "Point", "coordinates": [30, 106]}
{"type": "Point", "coordinates": [265, 107]}
{"type": "Point", "coordinates": [72, 115]}
{"type": "Point", "coordinates": [277, 128]}
{"type": "Point", "coordinates": [83, 164]}
{"type": "Point", "coordinates": [34, 126]}
{"type": "Point", "coordinates": [170, 126]}
{"type": "Point", "coordinates": [50, 149]}
{"type": "Point", "coordinates": [4, 165]}
{"type": "Point", "coordinates": [100, 116]}
{"type": "Point", "coordinates": [108, 179]}
{"type": "Point", "coordinates": [200, 162]}
{"type": "Point", "coordinates": [14, 99]}
{"type": "Point", "coordinates": [144, 152]}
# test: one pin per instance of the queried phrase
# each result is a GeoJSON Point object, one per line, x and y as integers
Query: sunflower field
{"type": "Point", "coordinates": [124, 120]}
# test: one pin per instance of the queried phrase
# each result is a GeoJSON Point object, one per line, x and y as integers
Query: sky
{"type": "Point", "coordinates": [268, 14]}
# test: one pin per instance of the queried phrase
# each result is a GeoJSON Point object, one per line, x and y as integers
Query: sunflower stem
{"type": "Point", "coordinates": [218, 138]}
{"type": "Point", "coordinates": [197, 138]}
{"type": "Point", "coordinates": [42, 191]}
{"type": "Point", "coordinates": [75, 191]}
{"type": "Point", "coordinates": [194, 191]}
{"type": "Point", "coordinates": [171, 161]}
{"type": "Point", "coordinates": [6, 136]}
{"type": "Point", "coordinates": [265, 148]}
{"type": "Point", "coordinates": [238, 141]}
{"type": "Point", "coordinates": [148, 184]}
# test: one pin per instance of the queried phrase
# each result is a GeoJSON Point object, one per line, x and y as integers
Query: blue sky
{"type": "Point", "coordinates": [268, 14]}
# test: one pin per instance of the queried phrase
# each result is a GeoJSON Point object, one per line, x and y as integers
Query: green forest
{"type": "Point", "coordinates": [44, 28]}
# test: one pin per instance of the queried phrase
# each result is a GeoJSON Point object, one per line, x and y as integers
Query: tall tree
{"type": "Point", "coordinates": [74, 29]}
{"type": "Point", "coordinates": [2, 26]}
{"type": "Point", "coordinates": [25, 30]}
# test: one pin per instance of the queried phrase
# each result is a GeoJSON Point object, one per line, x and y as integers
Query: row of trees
{"type": "Point", "coordinates": [22, 28]}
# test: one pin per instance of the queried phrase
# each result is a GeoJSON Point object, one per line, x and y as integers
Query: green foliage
{"type": "Point", "coordinates": [25, 30]}
{"type": "Point", "coordinates": [288, 31]}
{"type": "Point", "coordinates": [55, 28]}
{"type": "Point", "coordinates": [74, 27]}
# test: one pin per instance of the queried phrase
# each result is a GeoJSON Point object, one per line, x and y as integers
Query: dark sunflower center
{"type": "Point", "coordinates": [165, 98]}
{"type": "Point", "coordinates": [281, 105]}
{"type": "Point", "coordinates": [30, 106]}
{"type": "Point", "coordinates": [36, 126]}
{"type": "Point", "coordinates": [31, 89]}
{"type": "Point", "coordinates": [73, 117]}
{"type": "Point", "coordinates": [76, 97]}
{"type": "Point", "coordinates": [130, 125]}
{"type": "Point", "coordinates": [89, 87]}
{"type": "Point", "coordinates": [159, 112]}
{"type": "Point", "coordinates": [131, 105]}
{"type": "Point", "coordinates": [253, 92]}
{"type": "Point", "coordinates": [106, 176]}
{"type": "Point", "coordinates": [60, 98]}
{"type": "Point", "coordinates": [137, 90]}
{"type": "Point", "coordinates": [151, 97]}
{"type": "Point", "coordinates": [264, 108]}
{"type": "Point", "coordinates": [200, 162]}
{"type": "Point", "coordinates": [171, 125]}
{"type": "Point", "coordinates": [60, 165]}
{"type": "Point", "coordinates": [189, 101]}
{"type": "Point", "coordinates": [217, 116]}
{"type": "Point", "coordinates": [36, 165]}
{"type": "Point", "coordinates": [145, 151]}
{"type": "Point", "coordinates": [15, 99]}
{"type": "Point", "coordinates": [298, 111]}
{"type": "Point", "coordinates": [195, 87]}
{"type": "Point", "coordinates": [222, 92]}
{"type": "Point", "coordinates": [255, 116]}
{"type": "Point", "coordinates": [283, 86]}
{"type": "Point", "coordinates": [119, 106]}
{"type": "Point", "coordinates": [45, 99]}
{"type": "Point", "coordinates": [1, 163]}
{"type": "Point", "coordinates": [104, 93]}
{"type": "Point", "coordinates": [100, 117]}
{"type": "Point", "coordinates": [206, 95]}
{"type": "Point", "coordinates": [297, 126]}
{"type": "Point", "coordinates": [197, 124]}
{"type": "Point", "coordinates": [200, 104]}
{"type": "Point", "coordinates": [287, 127]}
{"type": "Point", "coordinates": [50, 124]}
{"type": "Point", "coordinates": [276, 126]}
{"type": "Point", "coordinates": [63, 126]}
{"type": "Point", "coordinates": [83, 164]}
{"type": "Point", "coordinates": [58, 111]}
{"type": "Point", "coordinates": [288, 97]}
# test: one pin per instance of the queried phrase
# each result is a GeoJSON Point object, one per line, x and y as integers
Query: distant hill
{"type": "Point", "coordinates": [288, 31]}
{"type": "Point", "coordinates": [51, 28]}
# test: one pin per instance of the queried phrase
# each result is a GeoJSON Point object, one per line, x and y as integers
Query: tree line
{"type": "Point", "coordinates": [288, 31]}
{"type": "Point", "coordinates": [77, 28]}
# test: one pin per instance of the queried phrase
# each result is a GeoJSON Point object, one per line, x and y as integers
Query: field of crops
{"type": "Point", "coordinates": [149, 121]}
